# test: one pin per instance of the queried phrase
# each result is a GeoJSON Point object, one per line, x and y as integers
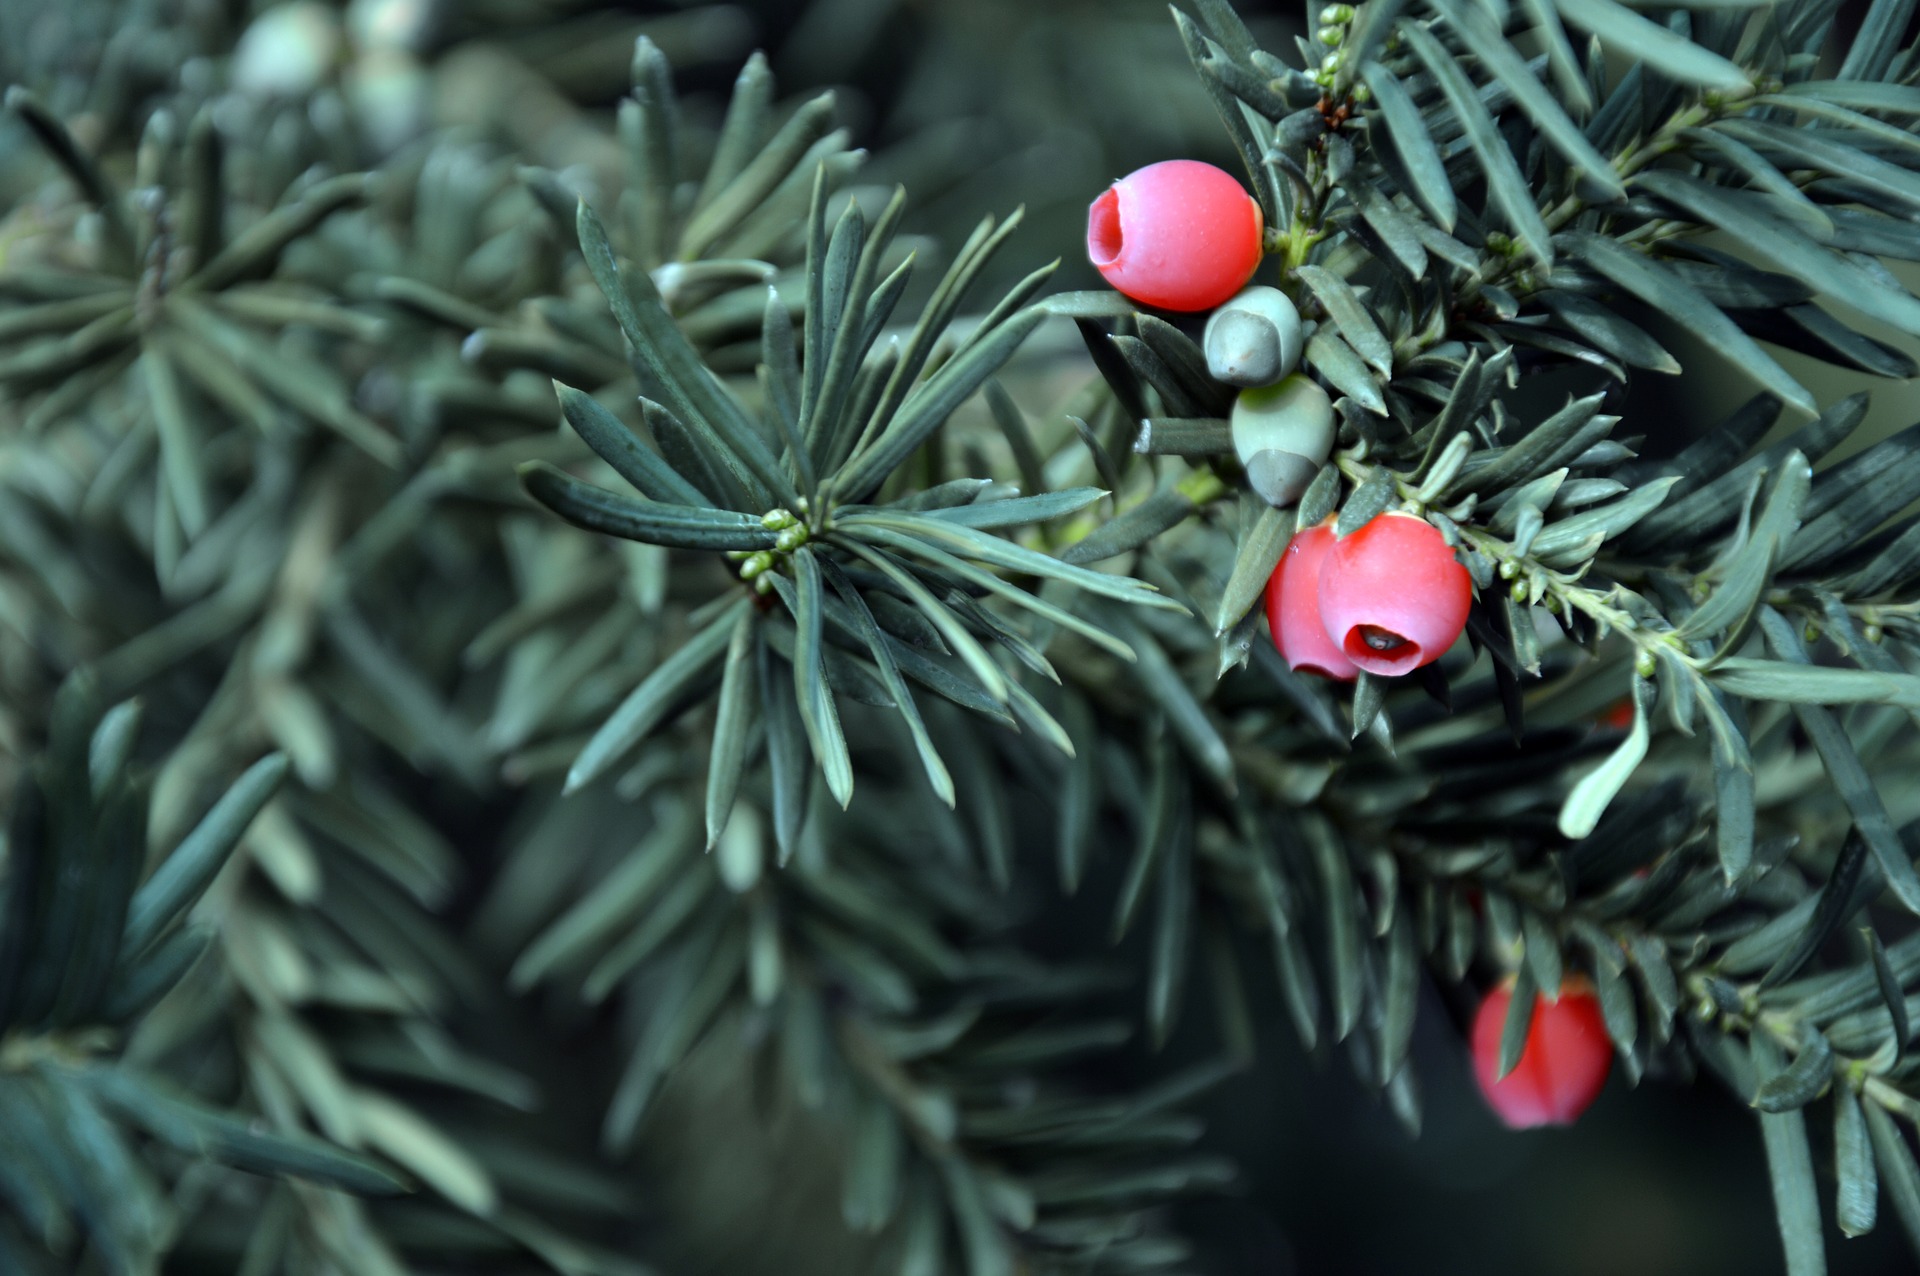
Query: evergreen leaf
{"type": "Point", "coordinates": [1018, 511]}
{"type": "Point", "coordinates": [651, 522]}
{"type": "Point", "coordinates": [186, 873]}
{"type": "Point", "coordinates": [1848, 773]}
{"type": "Point", "coordinates": [1788, 248]}
{"type": "Point", "coordinates": [972, 543]}
{"type": "Point", "coordinates": [928, 407]}
{"type": "Point", "coordinates": [1665, 291]}
{"type": "Point", "coordinates": [1873, 49]}
{"type": "Point", "coordinates": [1587, 801]}
{"type": "Point", "coordinates": [1505, 65]}
{"type": "Point", "coordinates": [1356, 325]}
{"type": "Point", "coordinates": [878, 645]}
{"type": "Point", "coordinates": [964, 644]}
{"type": "Point", "coordinates": [725, 208]}
{"type": "Point", "coordinates": [1673, 55]}
{"type": "Point", "coordinates": [1261, 545]}
{"type": "Point", "coordinates": [1505, 184]}
{"type": "Point", "coordinates": [1172, 930]}
{"type": "Point", "coordinates": [1341, 900]}
{"type": "Point", "coordinates": [615, 444]}
{"type": "Point", "coordinates": [621, 898]}
{"type": "Point", "coordinates": [674, 370]}
{"type": "Point", "coordinates": [1166, 509]}
{"type": "Point", "coordinates": [1848, 888]}
{"type": "Point", "coordinates": [197, 1130]}
{"type": "Point", "coordinates": [1802, 1081]}
{"type": "Point", "coordinates": [1814, 684]}
{"type": "Point", "coordinates": [657, 695]}
{"type": "Point", "coordinates": [1514, 1029]}
{"type": "Point", "coordinates": [1897, 1169]}
{"type": "Point", "coordinates": [733, 723]}
{"type": "Point", "coordinates": [1432, 187]}
{"type": "Point", "coordinates": [1796, 1202]}
{"type": "Point", "coordinates": [1857, 1185]}
{"type": "Point", "coordinates": [1731, 607]}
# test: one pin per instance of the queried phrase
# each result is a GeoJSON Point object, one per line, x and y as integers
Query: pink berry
{"type": "Point", "coordinates": [1563, 1065]}
{"type": "Point", "coordinates": [1293, 607]}
{"type": "Point", "coordinates": [1178, 235]}
{"type": "Point", "coordinates": [1392, 595]}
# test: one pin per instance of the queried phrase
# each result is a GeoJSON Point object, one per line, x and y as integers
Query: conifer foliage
{"type": "Point", "coordinates": [497, 629]}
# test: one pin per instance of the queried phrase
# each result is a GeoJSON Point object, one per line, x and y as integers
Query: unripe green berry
{"type": "Point", "coordinates": [1254, 339]}
{"type": "Point", "coordinates": [1282, 435]}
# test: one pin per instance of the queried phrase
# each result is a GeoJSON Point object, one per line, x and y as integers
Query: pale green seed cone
{"type": "Point", "coordinates": [1279, 478]}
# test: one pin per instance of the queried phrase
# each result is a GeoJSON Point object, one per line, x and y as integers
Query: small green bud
{"type": "Point", "coordinates": [1645, 665]}
{"type": "Point", "coordinates": [1331, 36]}
{"type": "Point", "coordinates": [1336, 14]}
{"type": "Point", "coordinates": [777, 520]}
{"type": "Point", "coordinates": [757, 564]}
{"type": "Point", "coordinates": [1508, 569]}
{"type": "Point", "coordinates": [1517, 591]}
{"type": "Point", "coordinates": [1873, 634]}
{"type": "Point", "coordinates": [790, 539]}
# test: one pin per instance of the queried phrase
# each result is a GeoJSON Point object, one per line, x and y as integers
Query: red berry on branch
{"type": "Point", "coordinates": [1293, 607]}
{"type": "Point", "coordinates": [1563, 1066]}
{"type": "Point", "coordinates": [1392, 595]}
{"type": "Point", "coordinates": [1179, 235]}
{"type": "Point", "coordinates": [1619, 715]}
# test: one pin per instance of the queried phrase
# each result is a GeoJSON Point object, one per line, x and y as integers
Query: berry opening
{"type": "Point", "coordinates": [1104, 238]}
{"type": "Point", "coordinates": [1378, 639]}
{"type": "Point", "coordinates": [1381, 650]}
